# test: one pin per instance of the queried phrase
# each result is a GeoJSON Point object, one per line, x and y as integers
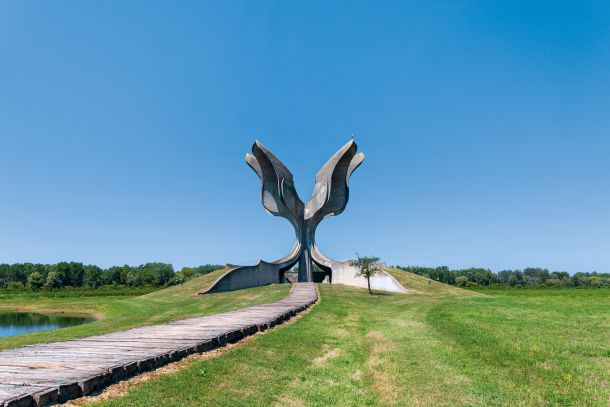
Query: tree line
{"type": "Point", "coordinates": [73, 274]}
{"type": "Point", "coordinates": [529, 277]}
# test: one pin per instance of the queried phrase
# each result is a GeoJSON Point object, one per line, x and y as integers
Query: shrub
{"type": "Point", "coordinates": [15, 285]}
{"type": "Point", "coordinates": [553, 282]}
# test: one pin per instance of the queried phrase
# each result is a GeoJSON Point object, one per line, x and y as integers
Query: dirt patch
{"type": "Point", "coordinates": [375, 335]}
{"type": "Point", "coordinates": [351, 319]}
{"type": "Point", "coordinates": [331, 354]}
{"type": "Point", "coordinates": [382, 382]}
{"type": "Point", "coordinates": [289, 402]}
{"type": "Point", "coordinates": [341, 333]}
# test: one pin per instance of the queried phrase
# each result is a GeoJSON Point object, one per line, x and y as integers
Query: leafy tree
{"type": "Point", "coordinates": [16, 273]}
{"type": "Point", "coordinates": [92, 276]}
{"type": "Point", "coordinates": [162, 273]}
{"type": "Point", "coordinates": [67, 274]}
{"type": "Point", "coordinates": [560, 275]}
{"type": "Point", "coordinates": [461, 280]}
{"type": "Point", "coordinates": [55, 278]}
{"type": "Point", "coordinates": [553, 282]}
{"type": "Point", "coordinates": [115, 275]}
{"type": "Point", "coordinates": [504, 276]}
{"type": "Point", "coordinates": [367, 267]}
{"type": "Point", "coordinates": [177, 279]}
{"type": "Point", "coordinates": [187, 273]}
{"type": "Point", "coordinates": [157, 274]}
{"type": "Point", "coordinates": [134, 278]}
{"type": "Point", "coordinates": [536, 275]}
{"type": "Point", "coordinates": [74, 273]}
{"type": "Point", "coordinates": [519, 275]}
{"type": "Point", "coordinates": [4, 275]}
{"type": "Point", "coordinates": [36, 280]}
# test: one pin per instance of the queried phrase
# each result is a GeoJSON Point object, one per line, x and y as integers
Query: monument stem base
{"type": "Point", "coordinates": [305, 267]}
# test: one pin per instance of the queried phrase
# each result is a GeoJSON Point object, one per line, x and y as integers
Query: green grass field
{"type": "Point", "coordinates": [128, 310]}
{"type": "Point", "coordinates": [443, 347]}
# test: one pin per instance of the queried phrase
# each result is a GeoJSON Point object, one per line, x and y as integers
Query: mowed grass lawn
{"type": "Point", "coordinates": [443, 347]}
{"type": "Point", "coordinates": [125, 311]}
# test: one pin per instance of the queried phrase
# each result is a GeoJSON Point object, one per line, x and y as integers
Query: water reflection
{"type": "Point", "coordinates": [17, 323]}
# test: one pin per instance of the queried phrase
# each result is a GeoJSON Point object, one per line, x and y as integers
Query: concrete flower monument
{"type": "Point", "coordinates": [280, 198]}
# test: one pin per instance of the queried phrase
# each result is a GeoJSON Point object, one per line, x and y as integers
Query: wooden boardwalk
{"type": "Point", "coordinates": [42, 374]}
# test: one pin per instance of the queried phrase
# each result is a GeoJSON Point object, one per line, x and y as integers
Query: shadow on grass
{"type": "Point", "coordinates": [382, 293]}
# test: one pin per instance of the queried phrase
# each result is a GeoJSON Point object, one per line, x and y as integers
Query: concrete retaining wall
{"type": "Point", "coordinates": [343, 273]}
{"type": "Point", "coordinates": [245, 277]}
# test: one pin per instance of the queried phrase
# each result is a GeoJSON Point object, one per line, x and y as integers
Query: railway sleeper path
{"type": "Point", "coordinates": [38, 375]}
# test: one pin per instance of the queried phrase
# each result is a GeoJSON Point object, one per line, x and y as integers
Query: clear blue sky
{"type": "Point", "coordinates": [486, 129]}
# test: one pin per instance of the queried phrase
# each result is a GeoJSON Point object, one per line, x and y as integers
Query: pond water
{"type": "Point", "coordinates": [17, 323]}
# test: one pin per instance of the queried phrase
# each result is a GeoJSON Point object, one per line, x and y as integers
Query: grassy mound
{"type": "Point", "coordinates": [191, 287]}
{"type": "Point", "coordinates": [426, 286]}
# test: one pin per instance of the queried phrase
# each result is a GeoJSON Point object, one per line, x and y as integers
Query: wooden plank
{"type": "Point", "coordinates": [42, 374]}
{"type": "Point", "coordinates": [9, 391]}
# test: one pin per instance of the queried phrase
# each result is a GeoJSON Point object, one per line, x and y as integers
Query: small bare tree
{"type": "Point", "coordinates": [367, 267]}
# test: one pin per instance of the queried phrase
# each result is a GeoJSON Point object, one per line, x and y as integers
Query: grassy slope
{"type": "Point", "coordinates": [445, 346]}
{"type": "Point", "coordinates": [126, 312]}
